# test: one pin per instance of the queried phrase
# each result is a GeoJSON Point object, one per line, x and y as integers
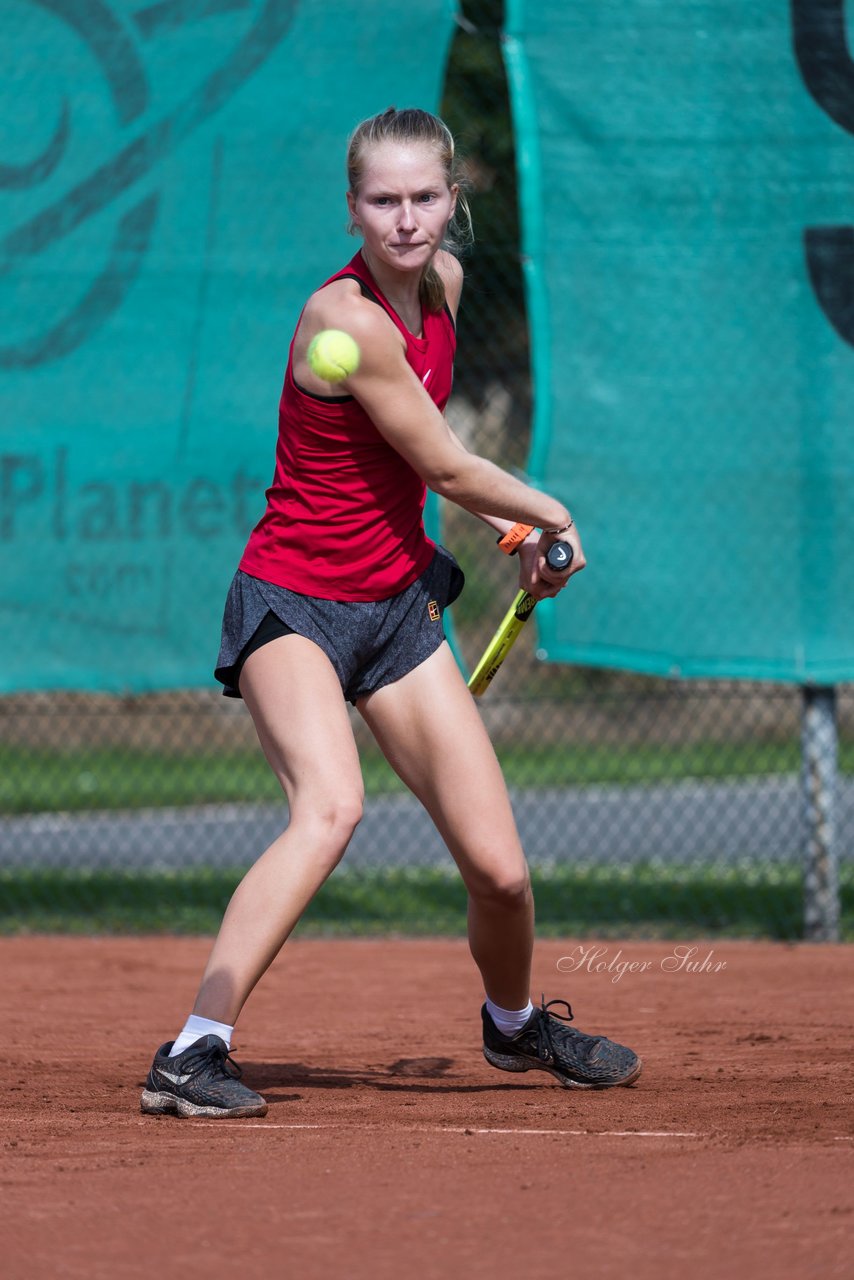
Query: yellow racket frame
{"type": "Point", "coordinates": [501, 643]}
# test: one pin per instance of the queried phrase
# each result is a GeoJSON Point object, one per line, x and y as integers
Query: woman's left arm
{"type": "Point", "coordinates": [530, 561]}
{"type": "Point", "coordinates": [535, 576]}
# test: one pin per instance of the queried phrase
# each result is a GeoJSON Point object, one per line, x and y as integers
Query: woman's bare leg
{"type": "Point", "coordinates": [429, 728]}
{"type": "Point", "coordinates": [295, 700]}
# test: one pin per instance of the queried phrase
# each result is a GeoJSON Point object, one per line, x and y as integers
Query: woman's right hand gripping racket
{"type": "Point", "coordinates": [558, 557]}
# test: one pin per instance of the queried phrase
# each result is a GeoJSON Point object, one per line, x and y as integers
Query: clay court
{"type": "Point", "coordinates": [391, 1147]}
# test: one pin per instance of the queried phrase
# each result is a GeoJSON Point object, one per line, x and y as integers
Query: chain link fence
{"type": "Point", "coordinates": [647, 806]}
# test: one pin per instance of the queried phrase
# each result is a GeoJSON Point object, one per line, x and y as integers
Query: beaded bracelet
{"type": "Point", "coordinates": [563, 530]}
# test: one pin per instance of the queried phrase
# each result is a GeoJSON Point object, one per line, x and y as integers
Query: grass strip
{"type": "Point", "coordinates": [109, 778]}
{"type": "Point", "coordinates": [644, 900]}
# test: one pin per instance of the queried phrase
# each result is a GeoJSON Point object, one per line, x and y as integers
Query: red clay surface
{"type": "Point", "coordinates": [391, 1147]}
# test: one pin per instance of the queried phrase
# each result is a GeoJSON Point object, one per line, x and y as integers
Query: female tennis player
{"type": "Point", "coordinates": [339, 597]}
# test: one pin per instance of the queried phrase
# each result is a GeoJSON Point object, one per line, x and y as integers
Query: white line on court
{"type": "Point", "coordinates": [442, 1128]}
{"type": "Point", "coordinates": [583, 1133]}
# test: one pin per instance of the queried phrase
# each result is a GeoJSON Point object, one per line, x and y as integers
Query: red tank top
{"type": "Point", "coordinates": [344, 518]}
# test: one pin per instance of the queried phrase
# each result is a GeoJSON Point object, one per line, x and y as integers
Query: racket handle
{"type": "Point", "coordinates": [559, 556]}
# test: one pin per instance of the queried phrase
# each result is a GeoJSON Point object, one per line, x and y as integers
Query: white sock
{"type": "Point", "coordinates": [508, 1021]}
{"type": "Point", "coordinates": [196, 1027]}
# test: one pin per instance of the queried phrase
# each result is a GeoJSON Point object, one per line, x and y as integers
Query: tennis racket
{"type": "Point", "coordinates": [558, 557]}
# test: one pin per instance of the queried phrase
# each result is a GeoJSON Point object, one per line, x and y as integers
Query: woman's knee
{"type": "Point", "coordinates": [332, 815]}
{"type": "Point", "coordinates": [508, 888]}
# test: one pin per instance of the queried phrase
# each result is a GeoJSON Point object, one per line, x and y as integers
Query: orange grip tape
{"type": "Point", "coordinates": [513, 538]}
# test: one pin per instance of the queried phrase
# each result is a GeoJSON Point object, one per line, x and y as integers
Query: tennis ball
{"type": "Point", "coordinates": [333, 355]}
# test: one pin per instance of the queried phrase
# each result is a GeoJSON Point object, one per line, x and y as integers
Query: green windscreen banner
{"type": "Point", "coordinates": [687, 177]}
{"type": "Point", "coordinates": [172, 187]}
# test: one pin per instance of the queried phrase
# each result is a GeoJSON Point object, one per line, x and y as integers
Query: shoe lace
{"type": "Point", "coordinates": [545, 1044]}
{"type": "Point", "coordinates": [215, 1056]}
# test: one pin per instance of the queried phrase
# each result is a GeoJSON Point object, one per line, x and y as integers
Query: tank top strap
{"type": "Point", "coordinates": [357, 269]}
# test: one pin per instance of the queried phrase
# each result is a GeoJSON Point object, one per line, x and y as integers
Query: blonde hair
{"type": "Point", "coordinates": [412, 125]}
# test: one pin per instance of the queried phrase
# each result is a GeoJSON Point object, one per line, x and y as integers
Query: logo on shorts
{"type": "Point", "coordinates": [433, 610]}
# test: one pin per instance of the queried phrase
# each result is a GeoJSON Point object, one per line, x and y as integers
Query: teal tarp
{"type": "Point", "coordinates": [687, 176]}
{"type": "Point", "coordinates": [172, 187]}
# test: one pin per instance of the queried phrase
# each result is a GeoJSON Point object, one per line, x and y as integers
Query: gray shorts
{"type": "Point", "coordinates": [369, 644]}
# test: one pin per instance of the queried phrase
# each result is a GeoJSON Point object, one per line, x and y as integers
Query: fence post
{"type": "Point", "coordinates": [819, 748]}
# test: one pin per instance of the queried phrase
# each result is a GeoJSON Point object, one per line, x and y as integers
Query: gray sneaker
{"type": "Point", "coordinates": [201, 1081]}
{"type": "Point", "coordinates": [577, 1060]}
